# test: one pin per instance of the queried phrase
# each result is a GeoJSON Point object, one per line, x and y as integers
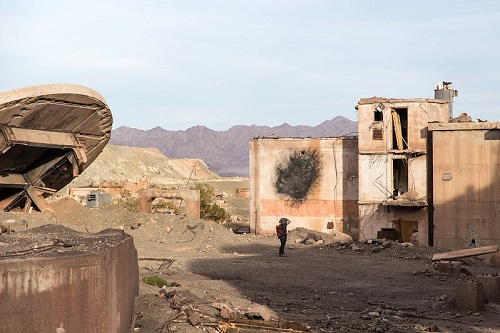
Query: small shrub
{"type": "Point", "coordinates": [155, 281]}
{"type": "Point", "coordinates": [208, 209]}
{"type": "Point", "coordinates": [128, 201]}
{"type": "Point", "coordinates": [132, 204]}
{"type": "Point", "coordinates": [167, 205]}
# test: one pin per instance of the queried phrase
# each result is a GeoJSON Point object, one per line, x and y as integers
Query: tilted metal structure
{"type": "Point", "coordinates": [49, 134]}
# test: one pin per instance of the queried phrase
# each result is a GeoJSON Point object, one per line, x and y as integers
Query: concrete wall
{"type": "Point", "coordinates": [91, 292]}
{"type": "Point", "coordinates": [379, 203]}
{"type": "Point", "coordinates": [281, 184]}
{"type": "Point", "coordinates": [117, 187]}
{"type": "Point", "coordinates": [80, 193]}
{"type": "Point", "coordinates": [190, 197]}
{"type": "Point", "coordinates": [466, 184]}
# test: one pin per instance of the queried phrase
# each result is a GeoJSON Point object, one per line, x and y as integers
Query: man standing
{"type": "Point", "coordinates": [282, 234]}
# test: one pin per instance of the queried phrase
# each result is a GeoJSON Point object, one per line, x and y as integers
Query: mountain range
{"type": "Point", "coordinates": [225, 152]}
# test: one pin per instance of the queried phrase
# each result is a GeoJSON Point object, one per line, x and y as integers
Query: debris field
{"type": "Point", "coordinates": [217, 280]}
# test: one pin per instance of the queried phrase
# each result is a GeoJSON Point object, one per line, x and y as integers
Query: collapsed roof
{"type": "Point", "coordinates": [49, 134]}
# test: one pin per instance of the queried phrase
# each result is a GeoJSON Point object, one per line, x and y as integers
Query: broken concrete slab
{"type": "Point", "coordinates": [449, 267]}
{"type": "Point", "coordinates": [466, 253]}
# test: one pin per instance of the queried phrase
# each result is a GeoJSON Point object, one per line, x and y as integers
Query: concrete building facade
{"type": "Point", "coordinates": [465, 182]}
{"type": "Point", "coordinates": [393, 166]}
{"type": "Point", "coordinates": [312, 181]}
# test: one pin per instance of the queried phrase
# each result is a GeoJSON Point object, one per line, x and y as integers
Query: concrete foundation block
{"type": "Point", "coordinates": [491, 287]}
{"type": "Point", "coordinates": [449, 267]}
{"type": "Point", "coordinates": [88, 286]}
{"type": "Point", "coordinates": [469, 296]}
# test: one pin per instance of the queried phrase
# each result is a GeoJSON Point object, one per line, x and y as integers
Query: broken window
{"type": "Point", "coordinates": [378, 116]}
{"type": "Point", "coordinates": [400, 125]}
{"type": "Point", "coordinates": [400, 176]}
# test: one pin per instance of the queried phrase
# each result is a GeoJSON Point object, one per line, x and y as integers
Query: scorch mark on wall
{"type": "Point", "coordinates": [297, 174]}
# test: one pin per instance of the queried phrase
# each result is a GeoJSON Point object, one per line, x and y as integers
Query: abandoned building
{"type": "Point", "coordinates": [426, 176]}
{"type": "Point", "coordinates": [311, 181]}
{"type": "Point", "coordinates": [392, 142]}
{"type": "Point", "coordinates": [414, 173]}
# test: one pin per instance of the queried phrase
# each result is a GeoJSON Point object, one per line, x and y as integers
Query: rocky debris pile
{"type": "Point", "coordinates": [311, 237]}
{"type": "Point", "coordinates": [462, 270]}
{"type": "Point", "coordinates": [186, 309]}
{"type": "Point", "coordinates": [56, 240]}
{"type": "Point", "coordinates": [393, 248]}
{"type": "Point", "coordinates": [385, 317]}
{"type": "Point", "coordinates": [153, 233]}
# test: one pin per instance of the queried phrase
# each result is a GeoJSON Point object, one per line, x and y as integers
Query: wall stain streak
{"type": "Point", "coordinates": [298, 174]}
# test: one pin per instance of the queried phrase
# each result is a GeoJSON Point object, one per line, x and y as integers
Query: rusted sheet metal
{"type": "Point", "coordinates": [49, 135]}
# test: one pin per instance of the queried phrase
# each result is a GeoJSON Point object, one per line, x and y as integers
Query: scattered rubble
{"type": "Point", "coordinates": [219, 280]}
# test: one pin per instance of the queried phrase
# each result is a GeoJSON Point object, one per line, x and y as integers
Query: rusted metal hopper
{"type": "Point", "coordinates": [49, 134]}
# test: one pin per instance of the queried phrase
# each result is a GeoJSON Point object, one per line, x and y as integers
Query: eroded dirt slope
{"type": "Point", "coordinates": [119, 163]}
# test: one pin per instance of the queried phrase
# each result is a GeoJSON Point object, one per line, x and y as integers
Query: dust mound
{"type": "Point", "coordinates": [67, 207]}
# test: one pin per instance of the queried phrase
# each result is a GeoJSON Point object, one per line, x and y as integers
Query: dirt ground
{"type": "Point", "coordinates": [213, 273]}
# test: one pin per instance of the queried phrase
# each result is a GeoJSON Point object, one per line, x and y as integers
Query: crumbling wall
{"type": "Point", "coordinates": [190, 197]}
{"type": "Point", "coordinates": [313, 182]}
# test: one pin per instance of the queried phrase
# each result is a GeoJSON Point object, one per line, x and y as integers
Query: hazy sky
{"type": "Point", "coordinates": [220, 63]}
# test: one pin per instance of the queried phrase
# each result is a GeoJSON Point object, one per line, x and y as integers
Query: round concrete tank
{"type": "Point", "coordinates": [55, 279]}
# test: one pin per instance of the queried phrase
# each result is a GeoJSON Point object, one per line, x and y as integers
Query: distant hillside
{"type": "Point", "coordinates": [118, 163]}
{"type": "Point", "coordinates": [225, 152]}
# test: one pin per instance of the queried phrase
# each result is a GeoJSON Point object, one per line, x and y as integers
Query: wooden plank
{"type": "Point", "coordinates": [247, 325]}
{"type": "Point", "coordinates": [465, 253]}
